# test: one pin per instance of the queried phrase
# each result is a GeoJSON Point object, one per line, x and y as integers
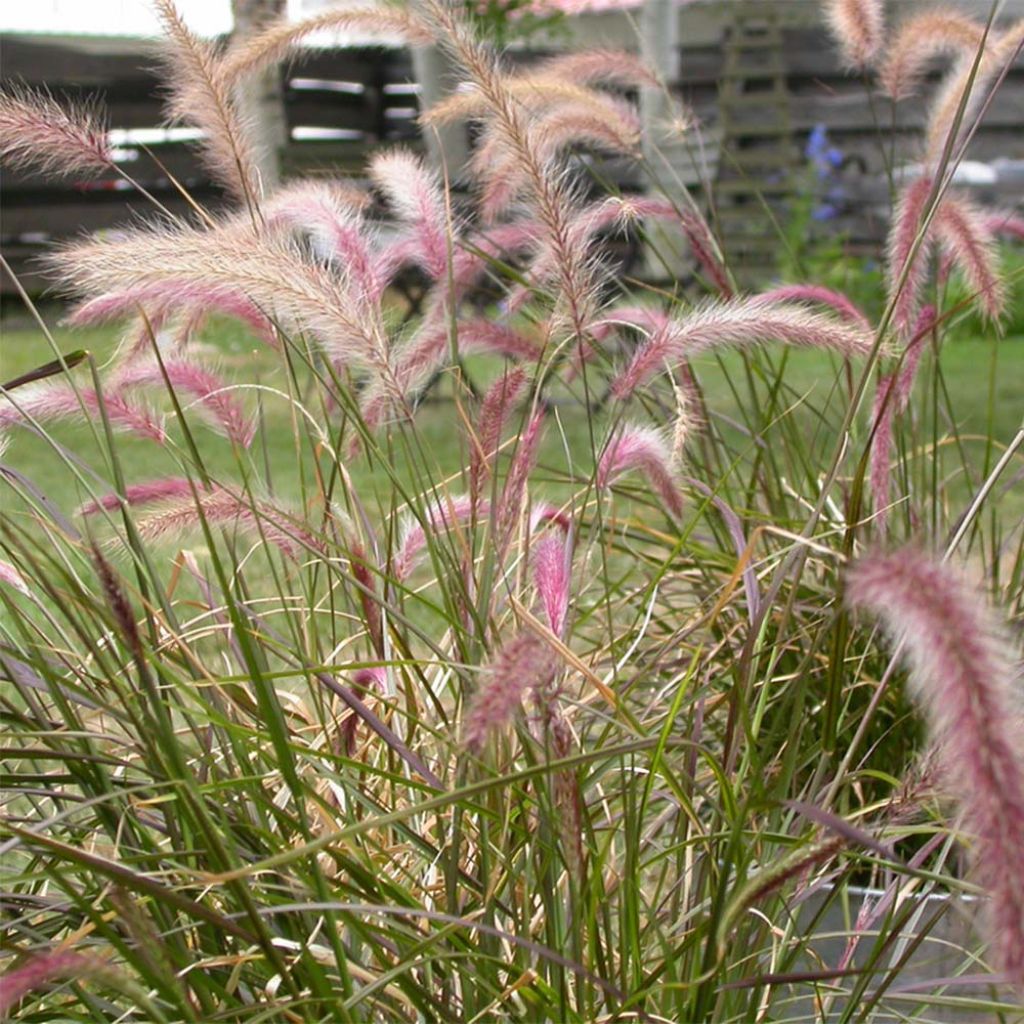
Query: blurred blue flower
{"type": "Point", "coordinates": [826, 160]}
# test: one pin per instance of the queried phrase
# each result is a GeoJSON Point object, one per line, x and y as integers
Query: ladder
{"type": "Point", "coordinates": [758, 162]}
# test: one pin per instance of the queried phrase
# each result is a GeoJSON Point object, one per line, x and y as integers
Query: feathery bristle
{"type": "Point", "coordinates": [279, 39]}
{"type": "Point", "coordinates": [906, 269]}
{"type": "Point", "coordinates": [552, 568]}
{"type": "Point", "coordinates": [599, 67]}
{"type": "Point", "coordinates": [525, 663]}
{"type": "Point", "coordinates": [165, 489]}
{"type": "Point", "coordinates": [198, 95]}
{"type": "Point", "coordinates": [440, 516]}
{"type": "Point", "coordinates": [220, 508]}
{"type": "Point", "coordinates": [962, 672]}
{"type": "Point", "coordinates": [10, 575]}
{"type": "Point", "coordinates": [962, 230]}
{"type": "Point", "coordinates": [858, 25]}
{"type": "Point", "coordinates": [41, 969]}
{"type": "Point", "coordinates": [55, 138]}
{"type": "Point", "coordinates": [513, 496]}
{"type": "Point", "coordinates": [159, 300]}
{"type": "Point", "coordinates": [415, 195]}
{"type": "Point", "coordinates": [220, 409]}
{"type": "Point", "coordinates": [56, 401]}
{"type": "Point", "coordinates": [494, 414]}
{"type": "Point", "coordinates": [739, 322]}
{"type": "Point", "coordinates": [921, 39]}
{"type": "Point", "coordinates": [966, 89]}
{"type": "Point", "coordinates": [332, 216]}
{"type": "Point", "coordinates": [644, 449]}
{"type": "Point", "coordinates": [837, 301]}
{"type": "Point", "coordinates": [277, 276]}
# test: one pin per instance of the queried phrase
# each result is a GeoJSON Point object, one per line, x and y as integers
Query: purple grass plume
{"type": "Point", "coordinates": [59, 139]}
{"type": "Point", "coordinates": [964, 674]}
{"type": "Point", "coordinates": [644, 449]}
{"type": "Point", "coordinates": [49, 401]}
{"type": "Point", "coordinates": [859, 26]}
{"type": "Point", "coordinates": [739, 322]}
{"type": "Point", "coordinates": [525, 663]}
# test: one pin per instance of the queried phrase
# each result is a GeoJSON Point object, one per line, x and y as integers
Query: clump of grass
{"type": "Point", "coordinates": [557, 714]}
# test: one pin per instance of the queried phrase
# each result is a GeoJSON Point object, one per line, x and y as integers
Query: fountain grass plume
{"type": "Point", "coordinates": [963, 232]}
{"type": "Point", "coordinates": [440, 516]}
{"type": "Point", "coordinates": [907, 255]}
{"type": "Point", "coordinates": [643, 449]}
{"type": "Point", "coordinates": [197, 94]}
{"type": "Point", "coordinates": [552, 572]}
{"type": "Point", "coordinates": [859, 26]}
{"type": "Point", "coordinates": [738, 322]}
{"type": "Point", "coordinates": [922, 38]}
{"type": "Point", "coordinates": [495, 411]}
{"type": "Point", "coordinates": [415, 195]}
{"type": "Point", "coordinates": [332, 217]}
{"type": "Point", "coordinates": [963, 674]}
{"type": "Point", "coordinates": [967, 87]}
{"type": "Point", "coordinates": [525, 663]}
{"type": "Point", "coordinates": [170, 488]}
{"type": "Point", "coordinates": [279, 39]}
{"type": "Point", "coordinates": [299, 292]}
{"type": "Point", "coordinates": [47, 401]}
{"type": "Point", "coordinates": [819, 295]}
{"type": "Point", "coordinates": [57, 139]}
{"type": "Point", "coordinates": [211, 393]}
{"type": "Point", "coordinates": [161, 299]}
{"type": "Point", "coordinates": [258, 520]}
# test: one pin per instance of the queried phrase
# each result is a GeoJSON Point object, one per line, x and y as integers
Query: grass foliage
{"type": "Point", "coordinates": [421, 705]}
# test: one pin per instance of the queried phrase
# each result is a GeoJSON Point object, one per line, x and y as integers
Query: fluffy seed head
{"type": "Point", "coordinates": [962, 230]}
{"type": "Point", "coordinates": [921, 39]}
{"type": "Point", "coordinates": [552, 567]}
{"type": "Point", "coordinates": [642, 448]}
{"type": "Point", "coordinates": [739, 322]}
{"type": "Point", "coordinates": [55, 138]}
{"type": "Point", "coordinates": [525, 663]}
{"type": "Point", "coordinates": [962, 673]}
{"type": "Point", "coordinates": [907, 268]}
{"type": "Point", "coordinates": [858, 25]}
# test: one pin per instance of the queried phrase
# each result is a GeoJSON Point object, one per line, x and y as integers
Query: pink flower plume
{"type": "Point", "coordinates": [332, 216]}
{"type": "Point", "coordinates": [738, 322]}
{"type": "Point", "coordinates": [223, 509]}
{"type": "Point", "coordinates": [962, 230]}
{"type": "Point", "coordinates": [644, 449]}
{"type": "Point", "coordinates": [858, 25]}
{"type": "Point", "coordinates": [921, 39]}
{"type": "Point", "coordinates": [962, 673]}
{"type": "Point", "coordinates": [192, 379]}
{"type": "Point", "coordinates": [56, 401]}
{"type": "Point", "coordinates": [441, 516]}
{"type": "Point", "coordinates": [907, 269]}
{"type": "Point", "coordinates": [160, 298]}
{"type": "Point", "coordinates": [836, 301]}
{"type": "Point", "coordinates": [495, 410]}
{"type": "Point", "coordinates": [525, 663]}
{"type": "Point", "coordinates": [40, 970]}
{"type": "Point", "coordinates": [169, 488]}
{"type": "Point", "coordinates": [600, 67]}
{"type": "Point", "coordinates": [58, 139]}
{"type": "Point", "coordinates": [12, 578]}
{"type": "Point", "coordinates": [552, 567]}
{"type": "Point", "coordinates": [415, 196]}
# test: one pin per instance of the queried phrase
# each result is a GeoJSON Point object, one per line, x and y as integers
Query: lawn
{"type": "Point", "coordinates": [977, 391]}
